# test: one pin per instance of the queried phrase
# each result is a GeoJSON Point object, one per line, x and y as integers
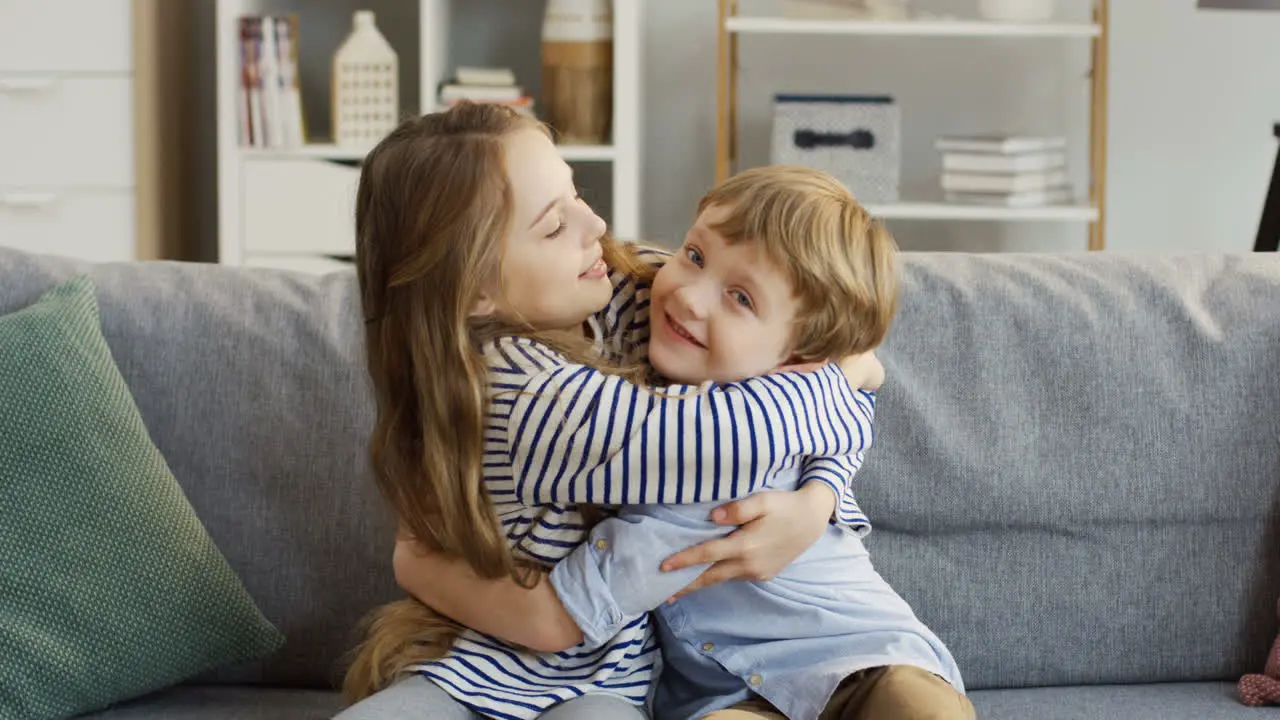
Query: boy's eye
{"type": "Point", "coordinates": [559, 229]}
{"type": "Point", "coordinates": [694, 255]}
{"type": "Point", "coordinates": [741, 298]}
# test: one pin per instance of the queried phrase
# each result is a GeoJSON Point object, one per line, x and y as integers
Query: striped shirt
{"type": "Point", "coordinates": [560, 433]}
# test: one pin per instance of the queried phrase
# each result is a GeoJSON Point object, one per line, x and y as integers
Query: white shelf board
{"type": "Point", "coordinates": [918, 28]}
{"type": "Point", "coordinates": [956, 211]}
{"type": "Point", "coordinates": [322, 151]}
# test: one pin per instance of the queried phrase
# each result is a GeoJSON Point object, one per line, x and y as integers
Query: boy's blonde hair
{"type": "Point", "coordinates": [841, 262]}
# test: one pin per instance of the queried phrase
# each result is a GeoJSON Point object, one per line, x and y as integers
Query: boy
{"type": "Point", "coordinates": [782, 267]}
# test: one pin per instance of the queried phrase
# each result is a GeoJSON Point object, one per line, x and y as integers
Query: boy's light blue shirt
{"type": "Point", "coordinates": [791, 640]}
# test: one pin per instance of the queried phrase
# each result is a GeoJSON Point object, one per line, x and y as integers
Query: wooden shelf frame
{"type": "Point", "coordinates": [730, 25]}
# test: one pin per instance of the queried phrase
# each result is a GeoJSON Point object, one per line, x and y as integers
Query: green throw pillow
{"type": "Point", "coordinates": [110, 587]}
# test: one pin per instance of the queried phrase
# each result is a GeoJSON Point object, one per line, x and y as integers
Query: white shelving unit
{"type": "Point", "coordinates": [732, 25]}
{"type": "Point", "coordinates": [908, 28]}
{"type": "Point", "coordinates": [326, 151]}
{"type": "Point", "coordinates": [294, 207]}
{"type": "Point", "coordinates": [956, 211]}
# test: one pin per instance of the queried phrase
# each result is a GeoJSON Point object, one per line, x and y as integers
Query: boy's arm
{"type": "Point", "coordinates": [577, 435]}
{"type": "Point", "coordinates": [616, 575]}
{"type": "Point", "coordinates": [532, 617]}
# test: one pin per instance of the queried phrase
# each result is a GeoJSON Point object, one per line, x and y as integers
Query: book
{"type": "Point", "coordinates": [1003, 144]}
{"type": "Point", "coordinates": [1030, 198]}
{"type": "Point", "coordinates": [998, 163]}
{"type": "Point", "coordinates": [452, 92]}
{"type": "Point", "coordinates": [1018, 182]}
{"type": "Point", "coordinates": [270, 100]}
{"type": "Point", "coordinates": [495, 76]}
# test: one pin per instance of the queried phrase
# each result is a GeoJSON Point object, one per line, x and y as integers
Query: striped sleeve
{"type": "Point", "coordinates": [624, 322]}
{"type": "Point", "coordinates": [837, 471]}
{"type": "Point", "coordinates": [576, 435]}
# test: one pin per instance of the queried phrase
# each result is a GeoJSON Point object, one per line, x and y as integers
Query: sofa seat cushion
{"type": "Point", "coordinates": [228, 703]}
{"type": "Point", "coordinates": [1131, 702]}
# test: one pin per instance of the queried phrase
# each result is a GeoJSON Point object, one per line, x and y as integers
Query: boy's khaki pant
{"type": "Point", "coordinates": [895, 692]}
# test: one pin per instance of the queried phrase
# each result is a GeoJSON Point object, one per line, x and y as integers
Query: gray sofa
{"type": "Point", "coordinates": [1076, 478]}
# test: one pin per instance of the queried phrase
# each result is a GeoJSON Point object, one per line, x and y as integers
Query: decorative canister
{"type": "Point", "coordinates": [856, 138]}
{"type": "Point", "coordinates": [1016, 10]}
{"type": "Point", "coordinates": [366, 94]}
{"type": "Point", "coordinates": [577, 70]}
{"type": "Point", "coordinates": [846, 9]}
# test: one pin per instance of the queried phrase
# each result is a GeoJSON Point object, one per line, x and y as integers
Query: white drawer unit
{"type": "Point", "coordinates": [66, 36]}
{"type": "Point", "coordinates": [302, 207]}
{"type": "Point", "coordinates": [88, 142]}
{"type": "Point", "coordinates": [66, 131]}
{"type": "Point", "coordinates": [94, 225]}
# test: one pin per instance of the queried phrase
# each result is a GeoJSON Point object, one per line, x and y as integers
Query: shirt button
{"type": "Point", "coordinates": [602, 544]}
{"type": "Point", "coordinates": [755, 680]}
{"type": "Point", "coordinates": [708, 646]}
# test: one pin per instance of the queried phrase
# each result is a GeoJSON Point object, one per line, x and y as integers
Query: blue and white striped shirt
{"type": "Point", "coordinates": [559, 434]}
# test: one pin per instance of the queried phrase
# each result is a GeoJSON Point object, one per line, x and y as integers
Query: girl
{"type": "Point", "coordinates": [781, 261]}
{"type": "Point", "coordinates": [482, 273]}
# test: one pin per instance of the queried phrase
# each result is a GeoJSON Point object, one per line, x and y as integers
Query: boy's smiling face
{"type": "Point", "coordinates": [719, 312]}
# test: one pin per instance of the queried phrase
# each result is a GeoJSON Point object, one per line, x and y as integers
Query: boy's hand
{"type": "Point", "coordinates": [775, 528]}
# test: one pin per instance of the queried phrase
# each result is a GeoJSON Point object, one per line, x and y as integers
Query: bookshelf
{"type": "Point", "coordinates": [292, 207]}
{"type": "Point", "coordinates": [731, 25]}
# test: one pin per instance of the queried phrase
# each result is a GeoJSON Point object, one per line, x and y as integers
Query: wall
{"type": "Point", "coordinates": [1177, 74]}
{"type": "Point", "coordinates": [1194, 94]}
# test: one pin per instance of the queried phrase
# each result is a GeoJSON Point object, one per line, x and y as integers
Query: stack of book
{"type": "Point", "coordinates": [485, 84]}
{"type": "Point", "coordinates": [1006, 170]}
{"type": "Point", "coordinates": [269, 98]}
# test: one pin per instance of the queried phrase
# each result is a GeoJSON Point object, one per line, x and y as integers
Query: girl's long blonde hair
{"type": "Point", "coordinates": [432, 209]}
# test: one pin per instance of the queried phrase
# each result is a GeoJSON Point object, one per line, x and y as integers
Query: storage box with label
{"type": "Point", "coordinates": [856, 138]}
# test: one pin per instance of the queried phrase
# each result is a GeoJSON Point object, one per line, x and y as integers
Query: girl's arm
{"type": "Point", "coordinates": [836, 472]}
{"type": "Point", "coordinates": [576, 435]}
{"type": "Point", "coordinates": [866, 373]}
{"type": "Point", "coordinates": [775, 528]}
{"type": "Point", "coordinates": [531, 617]}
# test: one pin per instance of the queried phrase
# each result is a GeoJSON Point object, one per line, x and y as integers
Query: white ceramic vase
{"type": "Point", "coordinates": [366, 92]}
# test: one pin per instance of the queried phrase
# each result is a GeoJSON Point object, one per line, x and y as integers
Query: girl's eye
{"type": "Point", "coordinates": [741, 298]}
{"type": "Point", "coordinates": [559, 229]}
{"type": "Point", "coordinates": [694, 256]}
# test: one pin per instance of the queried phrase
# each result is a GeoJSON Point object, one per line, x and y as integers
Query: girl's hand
{"type": "Point", "coordinates": [775, 528]}
{"type": "Point", "coordinates": [862, 371]}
